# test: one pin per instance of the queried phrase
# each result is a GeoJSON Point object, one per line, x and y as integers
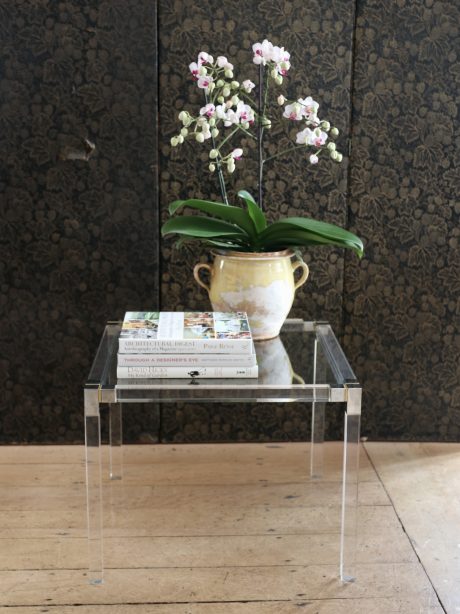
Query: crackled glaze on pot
{"type": "Point", "coordinates": [261, 284]}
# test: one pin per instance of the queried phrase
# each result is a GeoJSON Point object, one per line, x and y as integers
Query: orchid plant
{"type": "Point", "coordinates": [230, 110]}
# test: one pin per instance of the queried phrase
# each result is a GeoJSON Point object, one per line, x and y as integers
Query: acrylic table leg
{"type": "Point", "coordinates": [116, 441]}
{"type": "Point", "coordinates": [317, 439]}
{"type": "Point", "coordinates": [348, 532]}
{"type": "Point", "coordinates": [94, 485]}
{"type": "Point", "coordinates": [317, 421]}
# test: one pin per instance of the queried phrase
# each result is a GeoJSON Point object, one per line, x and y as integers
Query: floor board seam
{"type": "Point", "coordinates": [404, 529]}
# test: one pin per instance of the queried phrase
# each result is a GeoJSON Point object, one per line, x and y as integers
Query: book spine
{"type": "Point", "coordinates": [186, 360]}
{"type": "Point", "coordinates": [186, 372]}
{"type": "Point", "coordinates": [184, 346]}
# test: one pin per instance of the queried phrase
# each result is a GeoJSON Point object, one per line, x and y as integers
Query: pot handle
{"type": "Point", "coordinates": [196, 274]}
{"type": "Point", "coordinates": [305, 273]}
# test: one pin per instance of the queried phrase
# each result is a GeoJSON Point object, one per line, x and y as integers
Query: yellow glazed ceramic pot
{"type": "Point", "coordinates": [261, 284]}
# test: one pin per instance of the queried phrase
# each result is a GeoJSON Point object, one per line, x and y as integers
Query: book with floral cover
{"type": "Point", "coordinates": [169, 332]}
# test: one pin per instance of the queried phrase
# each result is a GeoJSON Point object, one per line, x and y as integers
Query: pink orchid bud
{"type": "Point", "coordinates": [313, 159]}
{"type": "Point", "coordinates": [281, 99]}
{"type": "Point", "coordinates": [237, 153]}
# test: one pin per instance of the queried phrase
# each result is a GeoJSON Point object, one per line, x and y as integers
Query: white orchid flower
{"type": "Point", "coordinates": [194, 69]}
{"type": "Point", "coordinates": [230, 118]}
{"type": "Point", "coordinates": [305, 137]}
{"type": "Point", "coordinates": [311, 137]}
{"type": "Point", "coordinates": [262, 52]}
{"type": "Point", "coordinates": [320, 137]}
{"type": "Point", "coordinates": [237, 153]}
{"type": "Point", "coordinates": [248, 85]}
{"type": "Point", "coordinates": [221, 111]}
{"type": "Point", "coordinates": [222, 62]}
{"type": "Point", "coordinates": [283, 67]}
{"type": "Point", "coordinates": [293, 111]}
{"type": "Point", "coordinates": [310, 107]}
{"type": "Point", "coordinates": [209, 110]}
{"type": "Point", "coordinates": [205, 58]}
{"type": "Point", "coordinates": [244, 112]}
{"type": "Point", "coordinates": [204, 82]}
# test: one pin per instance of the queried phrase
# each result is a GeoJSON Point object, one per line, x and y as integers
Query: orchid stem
{"type": "Point", "coordinates": [260, 134]}
{"type": "Point", "coordinates": [220, 174]}
{"type": "Point", "coordinates": [280, 153]}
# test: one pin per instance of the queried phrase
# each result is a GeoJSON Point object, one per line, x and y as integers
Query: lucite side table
{"type": "Point", "coordinates": [304, 364]}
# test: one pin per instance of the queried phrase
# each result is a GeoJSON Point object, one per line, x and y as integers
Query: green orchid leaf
{"type": "Point", "coordinates": [229, 213]}
{"type": "Point", "coordinates": [203, 228]}
{"type": "Point", "coordinates": [318, 233]}
{"type": "Point", "coordinates": [227, 245]}
{"type": "Point", "coordinates": [292, 238]}
{"type": "Point", "coordinates": [255, 212]}
{"type": "Point", "coordinates": [175, 205]}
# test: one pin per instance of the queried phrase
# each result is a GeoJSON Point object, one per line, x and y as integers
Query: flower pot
{"type": "Point", "coordinates": [261, 284]}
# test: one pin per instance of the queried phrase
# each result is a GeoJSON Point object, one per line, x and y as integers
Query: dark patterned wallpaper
{"type": "Point", "coordinates": [79, 226]}
{"type": "Point", "coordinates": [402, 304]}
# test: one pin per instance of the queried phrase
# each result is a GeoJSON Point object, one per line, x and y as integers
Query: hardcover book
{"type": "Point", "coordinates": [171, 332]}
{"type": "Point", "coordinates": [187, 360]}
{"type": "Point", "coordinates": [186, 372]}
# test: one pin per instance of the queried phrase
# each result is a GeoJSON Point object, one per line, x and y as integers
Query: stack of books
{"type": "Point", "coordinates": [193, 345]}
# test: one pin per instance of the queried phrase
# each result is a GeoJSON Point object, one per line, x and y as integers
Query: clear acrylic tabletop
{"type": "Point", "coordinates": [305, 364]}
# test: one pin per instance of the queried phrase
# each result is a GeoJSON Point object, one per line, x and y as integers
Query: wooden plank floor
{"type": "Point", "coordinates": [423, 483]}
{"type": "Point", "coordinates": [219, 529]}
